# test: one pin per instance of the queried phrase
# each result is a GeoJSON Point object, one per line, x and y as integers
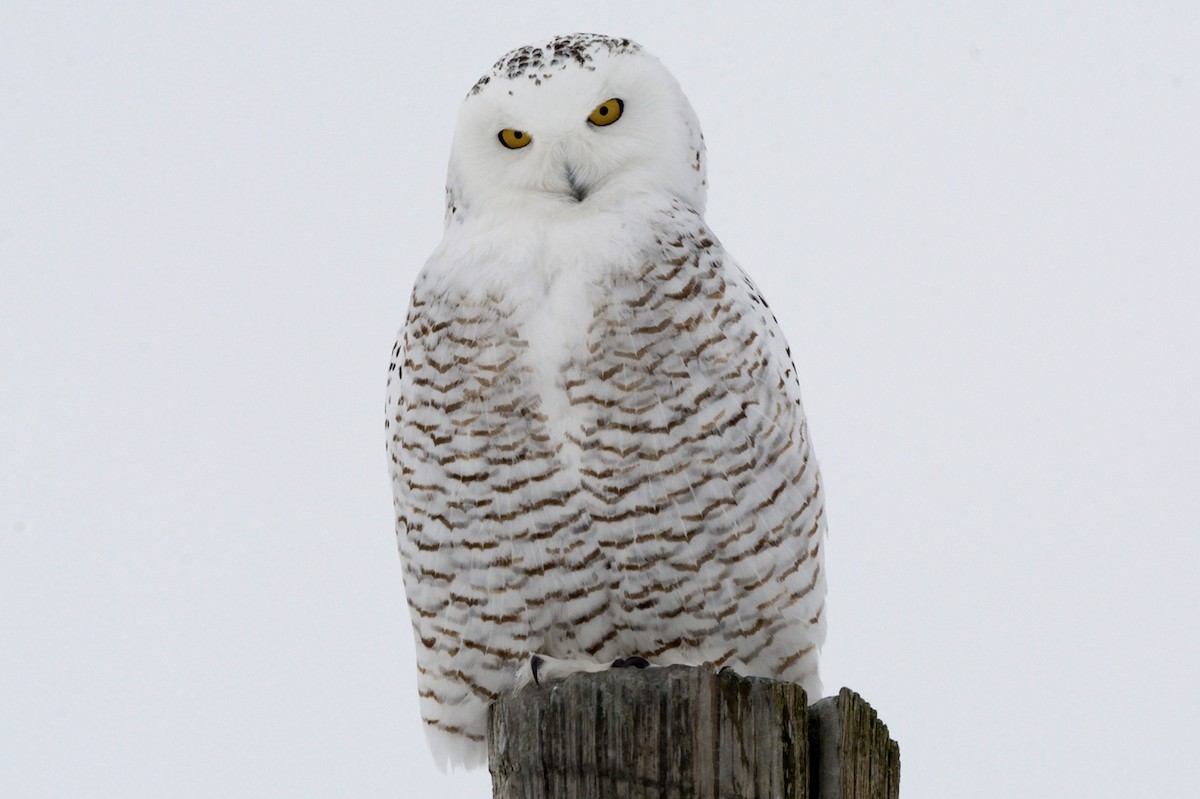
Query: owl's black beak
{"type": "Point", "coordinates": [578, 190]}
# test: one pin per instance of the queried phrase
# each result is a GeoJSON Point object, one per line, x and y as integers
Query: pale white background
{"type": "Point", "coordinates": [979, 224]}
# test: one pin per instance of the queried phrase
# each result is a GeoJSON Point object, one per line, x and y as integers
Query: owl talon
{"type": "Point", "coordinates": [542, 670]}
{"type": "Point", "coordinates": [535, 663]}
{"type": "Point", "coordinates": [634, 662]}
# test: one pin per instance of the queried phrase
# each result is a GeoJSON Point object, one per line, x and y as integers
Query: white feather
{"type": "Point", "coordinates": [597, 443]}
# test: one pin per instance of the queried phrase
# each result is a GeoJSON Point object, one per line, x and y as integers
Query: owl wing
{"type": "Point", "coordinates": [707, 499]}
{"type": "Point", "coordinates": [482, 506]}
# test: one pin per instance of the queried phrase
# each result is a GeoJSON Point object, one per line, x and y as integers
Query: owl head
{"type": "Point", "coordinates": [576, 124]}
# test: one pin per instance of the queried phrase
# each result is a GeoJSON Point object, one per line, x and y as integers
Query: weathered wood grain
{"type": "Point", "coordinates": [852, 754]}
{"type": "Point", "coordinates": [685, 733]}
{"type": "Point", "coordinates": [675, 732]}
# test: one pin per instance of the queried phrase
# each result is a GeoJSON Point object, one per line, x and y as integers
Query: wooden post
{"type": "Point", "coordinates": [852, 753]}
{"type": "Point", "coordinates": [686, 733]}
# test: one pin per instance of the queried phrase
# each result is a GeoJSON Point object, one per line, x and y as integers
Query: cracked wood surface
{"type": "Point", "coordinates": [681, 733]}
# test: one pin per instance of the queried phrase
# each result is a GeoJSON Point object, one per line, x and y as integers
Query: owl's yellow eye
{"type": "Point", "coordinates": [514, 139]}
{"type": "Point", "coordinates": [607, 112]}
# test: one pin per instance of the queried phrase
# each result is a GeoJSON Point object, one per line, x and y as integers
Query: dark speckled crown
{"type": "Point", "coordinates": [539, 62]}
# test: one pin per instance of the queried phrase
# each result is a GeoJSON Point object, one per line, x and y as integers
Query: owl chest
{"type": "Point", "coordinates": [599, 371]}
{"type": "Point", "coordinates": [483, 390]}
{"type": "Point", "coordinates": [572, 380]}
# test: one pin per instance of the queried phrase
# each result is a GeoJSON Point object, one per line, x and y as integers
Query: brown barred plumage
{"type": "Point", "coordinates": [597, 454]}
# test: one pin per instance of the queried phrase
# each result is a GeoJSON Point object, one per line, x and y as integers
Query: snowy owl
{"type": "Point", "coordinates": [598, 453]}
